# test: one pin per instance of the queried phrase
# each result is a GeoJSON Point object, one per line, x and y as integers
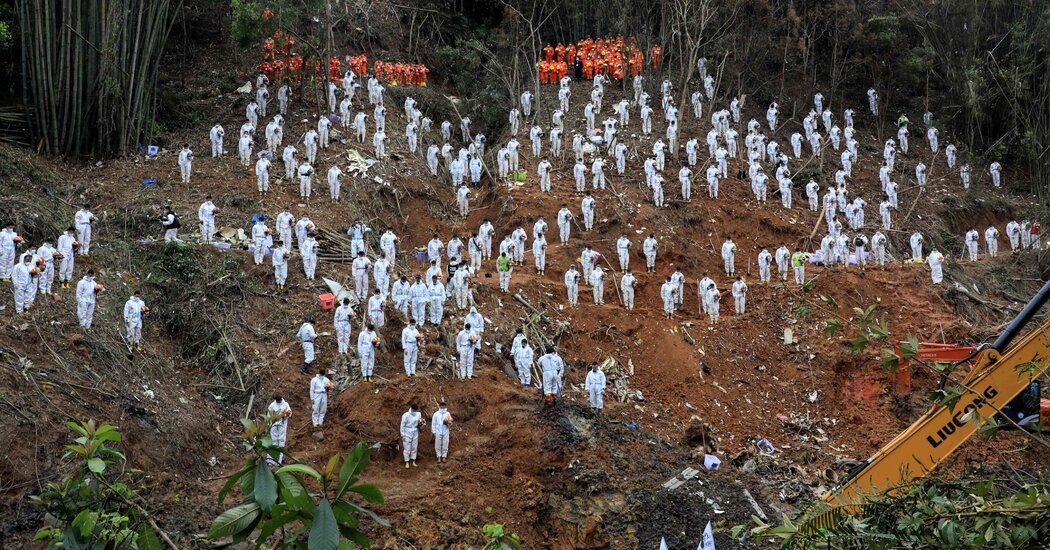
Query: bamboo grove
{"type": "Point", "coordinates": [90, 72]}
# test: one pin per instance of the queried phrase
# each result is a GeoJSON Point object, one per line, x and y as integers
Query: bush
{"type": "Point", "coordinates": [322, 506]}
{"type": "Point", "coordinates": [246, 30]}
{"type": "Point", "coordinates": [94, 504]}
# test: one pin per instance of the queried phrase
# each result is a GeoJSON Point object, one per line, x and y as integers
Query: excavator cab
{"type": "Point", "coordinates": [1029, 410]}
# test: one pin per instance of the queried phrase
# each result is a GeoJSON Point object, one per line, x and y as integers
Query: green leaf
{"type": "Point", "coordinates": [294, 492]}
{"type": "Point", "coordinates": [324, 535]}
{"type": "Point", "coordinates": [832, 327]}
{"type": "Point", "coordinates": [85, 522]}
{"type": "Point", "coordinates": [249, 465]}
{"type": "Point", "coordinates": [345, 515]}
{"type": "Point", "coordinates": [802, 311]}
{"type": "Point", "coordinates": [988, 427]}
{"type": "Point", "coordinates": [830, 302]}
{"type": "Point", "coordinates": [881, 329]}
{"type": "Point", "coordinates": [346, 475]}
{"type": "Point", "coordinates": [355, 538]}
{"type": "Point", "coordinates": [354, 463]}
{"type": "Point", "coordinates": [77, 428]}
{"type": "Point", "coordinates": [865, 314]}
{"type": "Point", "coordinates": [234, 520]}
{"type": "Point", "coordinates": [248, 484]}
{"type": "Point", "coordinates": [243, 534]}
{"type": "Point", "coordinates": [860, 342]}
{"type": "Point", "coordinates": [71, 539]}
{"type": "Point", "coordinates": [1031, 368]}
{"type": "Point", "coordinates": [148, 539]}
{"type": "Point", "coordinates": [281, 517]}
{"type": "Point", "coordinates": [96, 465]}
{"type": "Point", "coordinates": [948, 397]}
{"type": "Point", "coordinates": [265, 487]}
{"type": "Point", "coordinates": [362, 510]}
{"type": "Point", "coordinates": [371, 493]}
{"type": "Point", "coordinates": [329, 469]}
{"type": "Point", "coordinates": [889, 361]}
{"type": "Point", "coordinates": [108, 436]}
{"type": "Point", "coordinates": [302, 469]}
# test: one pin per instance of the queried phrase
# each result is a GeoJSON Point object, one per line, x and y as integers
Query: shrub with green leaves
{"type": "Point", "coordinates": [94, 504]}
{"type": "Point", "coordinates": [499, 539]}
{"type": "Point", "coordinates": [930, 513]}
{"type": "Point", "coordinates": [297, 505]}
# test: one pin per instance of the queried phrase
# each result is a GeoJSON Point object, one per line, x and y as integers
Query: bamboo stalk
{"type": "Point", "coordinates": [90, 71]}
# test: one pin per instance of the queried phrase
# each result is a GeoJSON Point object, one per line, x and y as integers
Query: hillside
{"type": "Point", "coordinates": [220, 337]}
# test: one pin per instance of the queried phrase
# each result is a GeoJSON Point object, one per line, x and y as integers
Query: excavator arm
{"type": "Point", "coordinates": [1002, 370]}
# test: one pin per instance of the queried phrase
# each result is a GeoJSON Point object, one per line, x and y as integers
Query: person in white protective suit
{"type": "Point", "coordinates": [553, 368]}
{"type": "Point", "coordinates": [411, 421]}
{"type": "Point", "coordinates": [133, 310]}
{"type": "Point", "coordinates": [467, 343]}
{"type": "Point", "coordinates": [279, 411]}
{"type": "Point", "coordinates": [936, 261]}
{"type": "Point", "coordinates": [595, 386]}
{"type": "Point", "coordinates": [367, 344]}
{"type": "Point", "coordinates": [440, 426]}
{"type": "Point", "coordinates": [342, 320]}
{"type": "Point", "coordinates": [319, 386]}
{"type": "Point", "coordinates": [87, 289]}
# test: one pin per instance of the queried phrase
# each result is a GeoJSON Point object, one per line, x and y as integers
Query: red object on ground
{"type": "Point", "coordinates": [327, 301]}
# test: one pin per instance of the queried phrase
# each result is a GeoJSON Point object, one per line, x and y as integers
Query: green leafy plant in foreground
{"type": "Point", "coordinates": [93, 505]}
{"type": "Point", "coordinates": [930, 514]}
{"type": "Point", "coordinates": [497, 538]}
{"type": "Point", "coordinates": [278, 503]}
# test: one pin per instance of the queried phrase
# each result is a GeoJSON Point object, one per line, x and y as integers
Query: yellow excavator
{"type": "Point", "coordinates": [1002, 371]}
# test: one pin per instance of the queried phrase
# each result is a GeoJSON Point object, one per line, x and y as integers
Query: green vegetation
{"type": "Point", "coordinates": [94, 505]}
{"type": "Point", "coordinates": [931, 514]}
{"type": "Point", "coordinates": [279, 502]}
{"type": "Point", "coordinates": [499, 539]}
{"type": "Point", "coordinates": [246, 28]}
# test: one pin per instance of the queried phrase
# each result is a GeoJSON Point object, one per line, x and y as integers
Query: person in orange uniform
{"type": "Point", "coordinates": [656, 53]}
{"type": "Point", "coordinates": [548, 53]}
{"type": "Point", "coordinates": [559, 52]}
